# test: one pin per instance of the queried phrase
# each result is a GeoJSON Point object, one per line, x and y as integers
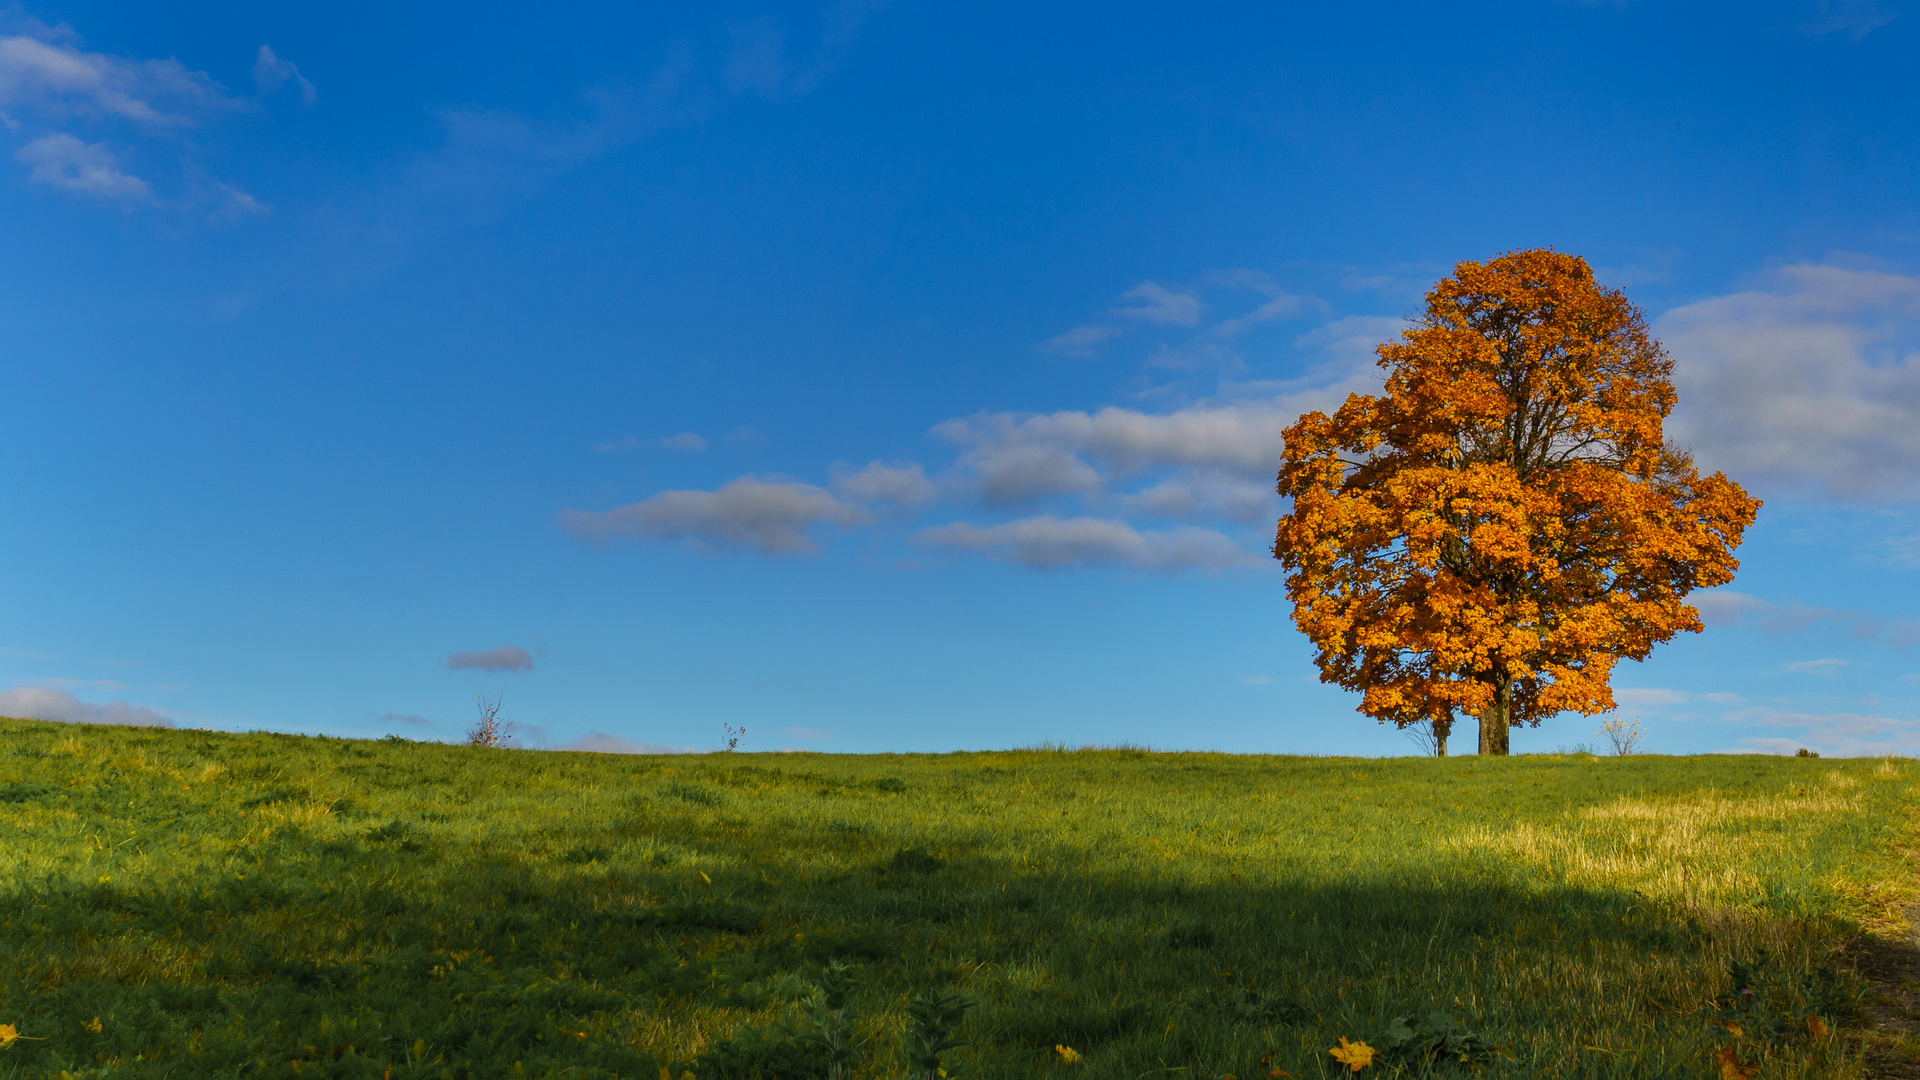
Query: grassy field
{"type": "Point", "coordinates": [191, 904]}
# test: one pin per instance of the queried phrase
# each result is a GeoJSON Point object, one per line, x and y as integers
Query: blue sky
{"type": "Point", "coordinates": [894, 376]}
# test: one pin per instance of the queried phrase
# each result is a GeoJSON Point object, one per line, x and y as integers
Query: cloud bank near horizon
{"type": "Point", "coordinates": [46, 703]}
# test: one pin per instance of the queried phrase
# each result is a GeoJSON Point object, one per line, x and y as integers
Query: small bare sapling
{"type": "Point", "coordinates": [1624, 736]}
{"type": "Point", "coordinates": [490, 729]}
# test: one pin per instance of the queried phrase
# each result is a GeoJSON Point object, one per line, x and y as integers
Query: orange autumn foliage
{"type": "Point", "coordinates": [1497, 530]}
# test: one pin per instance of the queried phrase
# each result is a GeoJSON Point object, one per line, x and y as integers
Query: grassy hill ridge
{"type": "Point", "coordinates": [184, 903]}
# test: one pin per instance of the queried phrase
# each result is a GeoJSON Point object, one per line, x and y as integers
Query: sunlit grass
{"type": "Point", "coordinates": [276, 906]}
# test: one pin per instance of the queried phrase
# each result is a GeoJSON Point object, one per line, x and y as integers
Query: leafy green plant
{"type": "Point", "coordinates": [933, 1016]}
{"type": "Point", "coordinates": [1435, 1041]}
{"type": "Point", "coordinates": [827, 1012]}
{"type": "Point", "coordinates": [762, 1054]}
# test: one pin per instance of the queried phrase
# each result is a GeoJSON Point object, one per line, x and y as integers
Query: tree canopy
{"type": "Point", "coordinates": [1494, 532]}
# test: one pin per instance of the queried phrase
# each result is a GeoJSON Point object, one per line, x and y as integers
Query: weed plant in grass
{"type": "Point", "coordinates": [190, 904]}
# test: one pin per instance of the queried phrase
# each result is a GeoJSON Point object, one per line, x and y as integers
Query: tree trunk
{"type": "Point", "coordinates": [1441, 729]}
{"type": "Point", "coordinates": [1494, 719]}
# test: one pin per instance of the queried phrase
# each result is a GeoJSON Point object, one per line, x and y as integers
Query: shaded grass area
{"type": "Point", "coordinates": [177, 903]}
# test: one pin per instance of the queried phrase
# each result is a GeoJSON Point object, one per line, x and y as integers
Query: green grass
{"type": "Point", "coordinates": [263, 905]}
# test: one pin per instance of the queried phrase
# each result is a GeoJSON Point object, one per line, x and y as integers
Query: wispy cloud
{"type": "Point", "coordinates": [46, 703]}
{"type": "Point", "coordinates": [758, 60]}
{"type": "Point", "coordinates": [1847, 18]}
{"type": "Point", "coordinates": [1658, 697]}
{"type": "Point", "coordinates": [412, 720]}
{"type": "Point", "coordinates": [686, 440]}
{"type": "Point", "coordinates": [1082, 341]}
{"type": "Point", "coordinates": [65, 162]}
{"type": "Point", "coordinates": [50, 86]}
{"type": "Point", "coordinates": [773, 517]}
{"type": "Point", "coordinates": [1279, 304]}
{"type": "Point", "coordinates": [488, 159]}
{"type": "Point", "coordinates": [1050, 543]}
{"type": "Point", "coordinates": [61, 80]}
{"type": "Point", "coordinates": [498, 658]}
{"type": "Point", "coordinates": [270, 73]}
{"type": "Point", "coordinates": [1155, 303]}
{"type": "Point", "coordinates": [1728, 608]}
{"type": "Point", "coordinates": [1826, 665]}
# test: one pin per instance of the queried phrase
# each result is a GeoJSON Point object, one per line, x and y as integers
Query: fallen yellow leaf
{"type": "Point", "coordinates": [1817, 1027]}
{"type": "Point", "coordinates": [1731, 1067]}
{"type": "Point", "coordinates": [1355, 1056]}
{"type": "Point", "coordinates": [1067, 1053]}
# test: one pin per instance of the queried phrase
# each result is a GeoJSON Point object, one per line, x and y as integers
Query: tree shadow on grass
{"type": "Point", "coordinates": [390, 952]}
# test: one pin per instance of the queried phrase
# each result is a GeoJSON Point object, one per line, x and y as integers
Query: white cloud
{"type": "Point", "coordinates": [1243, 438]}
{"type": "Point", "coordinates": [1809, 385]}
{"type": "Point", "coordinates": [43, 703]}
{"type": "Point", "coordinates": [65, 162]}
{"type": "Point", "coordinates": [65, 80]}
{"type": "Point", "coordinates": [271, 73]}
{"type": "Point", "coordinates": [1280, 304]}
{"type": "Point", "coordinates": [236, 204]}
{"type": "Point", "coordinates": [499, 658]}
{"type": "Point", "coordinates": [1353, 339]}
{"type": "Point", "coordinates": [1155, 303]}
{"type": "Point", "coordinates": [1826, 665]}
{"type": "Point", "coordinates": [1051, 543]}
{"type": "Point", "coordinates": [902, 486]}
{"type": "Point", "coordinates": [1658, 697]}
{"type": "Point", "coordinates": [1647, 695]}
{"type": "Point", "coordinates": [758, 61]}
{"type": "Point", "coordinates": [1082, 341]}
{"type": "Point", "coordinates": [686, 440]}
{"type": "Point", "coordinates": [770, 516]}
{"type": "Point", "coordinates": [1217, 458]}
{"type": "Point", "coordinates": [1207, 495]}
{"type": "Point", "coordinates": [1012, 472]}
{"type": "Point", "coordinates": [1832, 734]}
{"type": "Point", "coordinates": [1724, 607]}
{"type": "Point", "coordinates": [1902, 551]}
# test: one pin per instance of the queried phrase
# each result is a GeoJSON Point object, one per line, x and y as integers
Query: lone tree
{"type": "Point", "coordinates": [1507, 521]}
